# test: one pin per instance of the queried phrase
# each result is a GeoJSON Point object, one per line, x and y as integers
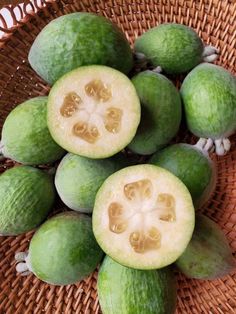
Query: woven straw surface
{"type": "Point", "coordinates": [215, 21]}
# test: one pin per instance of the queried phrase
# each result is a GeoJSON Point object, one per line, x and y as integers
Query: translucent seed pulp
{"type": "Point", "coordinates": [70, 105]}
{"type": "Point", "coordinates": [147, 237]}
{"type": "Point", "coordinates": [112, 119]}
{"type": "Point", "coordinates": [98, 90]}
{"type": "Point", "coordinates": [86, 132]}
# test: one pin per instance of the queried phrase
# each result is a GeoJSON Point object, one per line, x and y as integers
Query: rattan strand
{"type": "Point", "coordinates": [215, 21]}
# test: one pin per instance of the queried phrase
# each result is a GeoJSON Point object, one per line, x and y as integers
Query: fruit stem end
{"type": "Point", "coordinates": [210, 54]}
{"type": "Point", "coordinates": [23, 266]}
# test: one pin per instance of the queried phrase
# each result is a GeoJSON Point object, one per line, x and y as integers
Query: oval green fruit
{"type": "Point", "coordinates": [25, 135]}
{"type": "Point", "coordinates": [208, 255]}
{"type": "Point", "coordinates": [122, 290]}
{"type": "Point", "coordinates": [79, 178]}
{"type": "Point", "coordinates": [175, 48]}
{"type": "Point", "coordinates": [192, 166]}
{"type": "Point", "coordinates": [143, 217]}
{"type": "Point", "coordinates": [209, 97]}
{"type": "Point", "coordinates": [78, 39]}
{"type": "Point", "coordinates": [63, 250]}
{"type": "Point", "coordinates": [27, 195]}
{"type": "Point", "coordinates": [161, 112]}
{"type": "Point", "coordinates": [93, 111]}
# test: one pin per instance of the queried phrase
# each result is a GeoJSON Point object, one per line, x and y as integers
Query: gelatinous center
{"type": "Point", "coordinates": [141, 196]}
{"type": "Point", "coordinates": [98, 94]}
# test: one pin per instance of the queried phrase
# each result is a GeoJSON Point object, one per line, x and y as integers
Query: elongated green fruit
{"type": "Point", "coordinates": [209, 98]}
{"type": "Point", "coordinates": [160, 112]}
{"type": "Point", "coordinates": [62, 251]}
{"type": "Point", "coordinates": [192, 166]}
{"type": "Point", "coordinates": [25, 135]}
{"type": "Point", "coordinates": [78, 39]}
{"type": "Point", "coordinates": [174, 47]}
{"type": "Point", "coordinates": [79, 178]}
{"type": "Point", "coordinates": [123, 290]}
{"type": "Point", "coordinates": [27, 195]}
{"type": "Point", "coordinates": [208, 255]}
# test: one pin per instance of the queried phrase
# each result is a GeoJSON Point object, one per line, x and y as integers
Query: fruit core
{"type": "Point", "coordinates": [145, 237]}
{"type": "Point", "coordinates": [91, 111]}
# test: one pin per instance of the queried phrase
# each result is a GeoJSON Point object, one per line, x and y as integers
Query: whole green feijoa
{"type": "Point", "coordinates": [25, 135]}
{"type": "Point", "coordinates": [63, 250]}
{"type": "Point", "coordinates": [160, 112]}
{"type": "Point", "coordinates": [192, 166]}
{"type": "Point", "coordinates": [208, 255]}
{"type": "Point", "coordinates": [27, 195]}
{"type": "Point", "coordinates": [209, 98]}
{"type": "Point", "coordinates": [78, 179]}
{"type": "Point", "coordinates": [176, 48]}
{"type": "Point", "coordinates": [123, 290]}
{"type": "Point", "coordinates": [79, 39]}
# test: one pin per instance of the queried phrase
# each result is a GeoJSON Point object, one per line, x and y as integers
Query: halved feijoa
{"type": "Point", "coordinates": [93, 111]}
{"type": "Point", "coordinates": [143, 217]}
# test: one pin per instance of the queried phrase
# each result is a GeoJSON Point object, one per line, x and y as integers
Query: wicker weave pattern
{"type": "Point", "coordinates": [215, 21]}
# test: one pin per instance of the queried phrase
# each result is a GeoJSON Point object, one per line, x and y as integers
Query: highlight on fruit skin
{"type": "Point", "coordinates": [93, 111]}
{"type": "Point", "coordinates": [192, 165]}
{"type": "Point", "coordinates": [161, 112]}
{"type": "Point", "coordinates": [63, 250]}
{"type": "Point", "coordinates": [25, 135]}
{"type": "Point", "coordinates": [208, 255]}
{"type": "Point", "coordinates": [173, 48]}
{"type": "Point", "coordinates": [27, 195]}
{"type": "Point", "coordinates": [209, 97]}
{"type": "Point", "coordinates": [79, 39]}
{"type": "Point", "coordinates": [143, 217]}
{"type": "Point", "coordinates": [123, 290]}
{"type": "Point", "coordinates": [78, 179]}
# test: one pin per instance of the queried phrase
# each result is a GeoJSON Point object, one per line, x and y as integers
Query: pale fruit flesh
{"type": "Point", "coordinates": [93, 111]}
{"type": "Point", "coordinates": [147, 215]}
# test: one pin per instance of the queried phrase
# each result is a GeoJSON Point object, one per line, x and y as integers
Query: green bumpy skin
{"type": "Point", "coordinates": [191, 166]}
{"type": "Point", "coordinates": [77, 39]}
{"type": "Point", "coordinates": [27, 195]}
{"type": "Point", "coordinates": [208, 255]}
{"type": "Point", "coordinates": [64, 250]}
{"type": "Point", "coordinates": [79, 178]}
{"type": "Point", "coordinates": [123, 290]}
{"type": "Point", "coordinates": [25, 135]}
{"type": "Point", "coordinates": [161, 112]}
{"type": "Point", "coordinates": [209, 97]}
{"type": "Point", "coordinates": [175, 47]}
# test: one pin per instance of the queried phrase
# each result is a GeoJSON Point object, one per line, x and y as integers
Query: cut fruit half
{"type": "Point", "coordinates": [93, 111]}
{"type": "Point", "coordinates": [143, 217]}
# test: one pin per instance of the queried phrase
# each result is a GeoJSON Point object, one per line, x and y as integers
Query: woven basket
{"type": "Point", "coordinates": [215, 21]}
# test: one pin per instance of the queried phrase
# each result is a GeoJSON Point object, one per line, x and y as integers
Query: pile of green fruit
{"type": "Point", "coordinates": [143, 215]}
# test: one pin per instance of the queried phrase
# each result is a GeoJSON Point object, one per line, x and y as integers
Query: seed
{"type": "Point", "coordinates": [98, 90]}
{"type": "Point", "coordinates": [70, 105]}
{"type": "Point", "coordinates": [86, 132]}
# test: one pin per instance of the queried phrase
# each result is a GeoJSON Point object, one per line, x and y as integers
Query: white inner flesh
{"type": "Point", "coordinates": [147, 217]}
{"type": "Point", "coordinates": [103, 115]}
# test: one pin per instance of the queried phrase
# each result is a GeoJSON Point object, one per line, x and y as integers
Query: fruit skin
{"type": "Point", "coordinates": [208, 255]}
{"type": "Point", "coordinates": [25, 135]}
{"type": "Point", "coordinates": [79, 39]}
{"type": "Point", "coordinates": [192, 166]}
{"type": "Point", "coordinates": [123, 290]}
{"type": "Point", "coordinates": [27, 195]}
{"type": "Point", "coordinates": [78, 179]}
{"type": "Point", "coordinates": [209, 98]}
{"type": "Point", "coordinates": [161, 112]}
{"type": "Point", "coordinates": [175, 47]}
{"type": "Point", "coordinates": [64, 250]}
